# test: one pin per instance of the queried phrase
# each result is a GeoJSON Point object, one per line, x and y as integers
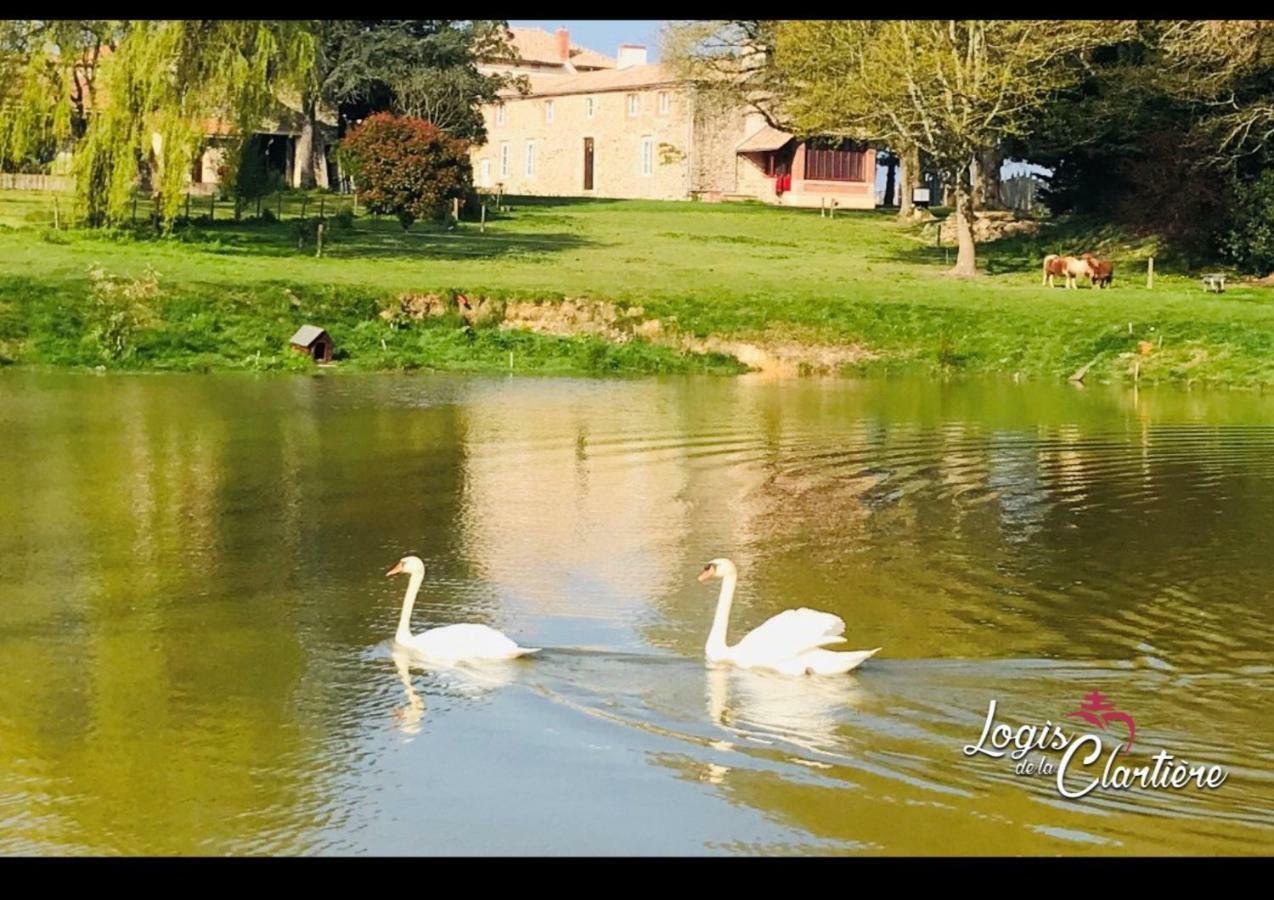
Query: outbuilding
{"type": "Point", "coordinates": [313, 341]}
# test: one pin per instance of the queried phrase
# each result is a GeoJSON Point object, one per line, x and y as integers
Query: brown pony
{"type": "Point", "coordinates": [1072, 267]}
{"type": "Point", "coordinates": [1103, 271]}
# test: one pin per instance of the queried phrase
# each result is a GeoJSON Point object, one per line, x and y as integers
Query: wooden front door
{"type": "Point", "coordinates": [588, 164]}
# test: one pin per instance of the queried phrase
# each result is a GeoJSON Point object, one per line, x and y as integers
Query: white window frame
{"type": "Point", "coordinates": [501, 114]}
{"type": "Point", "coordinates": [504, 159]}
{"type": "Point", "coordinates": [646, 155]}
{"type": "Point", "coordinates": [530, 159]}
{"type": "Point", "coordinates": [590, 107]}
{"type": "Point", "coordinates": [484, 173]}
{"type": "Point", "coordinates": [548, 111]}
{"type": "Point", "coordinates": [633, 102]}
{"type": "Point", "coordinates": [663, 103]}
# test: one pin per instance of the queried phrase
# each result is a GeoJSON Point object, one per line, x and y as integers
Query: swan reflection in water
{"type": "Point", "coordinates": [466, 680]}
{"type": "Point", "coordinates": [767, 708]}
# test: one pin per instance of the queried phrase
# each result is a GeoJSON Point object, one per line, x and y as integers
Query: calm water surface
{"type": "Point", "coordinates": [194, 614]}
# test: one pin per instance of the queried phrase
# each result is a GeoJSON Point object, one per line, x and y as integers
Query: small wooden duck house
{"type": "Point", "coordinates": [313, 341]}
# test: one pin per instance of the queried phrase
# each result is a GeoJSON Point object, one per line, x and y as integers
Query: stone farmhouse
{"type": "Point", "coordinates": [593, 126]}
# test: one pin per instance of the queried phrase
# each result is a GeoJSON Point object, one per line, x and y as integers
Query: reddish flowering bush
{"type": "Point", "coordinates": [406, 167]}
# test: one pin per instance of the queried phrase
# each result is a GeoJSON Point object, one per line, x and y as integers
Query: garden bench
{"type": "Point", "coordinates": [1214, 282]}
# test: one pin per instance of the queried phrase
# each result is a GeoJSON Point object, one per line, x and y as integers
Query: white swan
{"type": "Point", "coordinates": [791, 642]}
{"type": "Point", "coordinates": [451, 643]}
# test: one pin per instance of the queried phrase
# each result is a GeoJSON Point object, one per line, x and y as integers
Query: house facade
{"type": "Point", "coordinates": [628, 129]}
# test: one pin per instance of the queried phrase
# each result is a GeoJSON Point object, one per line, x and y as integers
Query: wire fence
{"type": "Point", "coordinates": [55, 204]}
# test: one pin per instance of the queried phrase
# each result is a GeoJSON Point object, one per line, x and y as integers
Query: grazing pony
{"type": "Point", "coordinates": [1103, 271]}
{"type": "Point", "coordinates": [1072, 267]}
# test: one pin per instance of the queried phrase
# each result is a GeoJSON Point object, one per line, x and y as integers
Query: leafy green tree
{"type": "Point", "coordinates": [953, 88]}
{"type": "Point", "coordinates": [733, 62]}
{"type": "Point", "coordinates": [424, 68]}
{"type": "Point", "coordinates": [407, 167]}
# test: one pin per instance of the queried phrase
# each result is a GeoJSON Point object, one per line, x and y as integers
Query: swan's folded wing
{"type": "Point", "coordinates": [790, 633]}
{"type": "Point", "coordinates": [460, 641]}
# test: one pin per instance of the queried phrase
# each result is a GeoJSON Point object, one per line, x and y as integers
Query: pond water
{"type": "Point", "coordinates": [194, 613]}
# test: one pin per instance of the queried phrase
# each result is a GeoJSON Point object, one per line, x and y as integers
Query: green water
{"type": "Point", "coordinates": [194, 618]}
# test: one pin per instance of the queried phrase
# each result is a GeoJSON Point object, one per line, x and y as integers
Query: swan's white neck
{"type": "Point", "coordinates": [716, 648]}
{"type": "Point", "coordinates": [404, 621]}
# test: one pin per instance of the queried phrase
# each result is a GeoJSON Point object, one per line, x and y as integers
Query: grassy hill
{"type": "Point", "coordinates": [229, 294]}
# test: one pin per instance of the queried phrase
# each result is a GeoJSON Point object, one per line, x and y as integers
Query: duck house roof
{"type": "Point", "coordinates": [308, 334]}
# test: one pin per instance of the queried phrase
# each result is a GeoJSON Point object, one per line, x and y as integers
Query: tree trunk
{"type": "Point", "coordinates": [986, 184]}
{"type": "Point", "coordinates": [908, 178]}
{"type": "Point", "coordinates": [966, 257]}
{"type": "Point", "coordinates": [306, 146]}
{"type": "Point", "coordinates": [891, 171]}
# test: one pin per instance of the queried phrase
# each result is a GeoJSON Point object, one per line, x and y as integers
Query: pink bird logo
{"type": "Point", "coordinates": [1098, 710]}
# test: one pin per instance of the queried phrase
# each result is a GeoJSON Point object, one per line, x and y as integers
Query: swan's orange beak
{"type": "Point", "coordinates": [708, 571]}
{"type": "Point", "coordinates": [396, 570]}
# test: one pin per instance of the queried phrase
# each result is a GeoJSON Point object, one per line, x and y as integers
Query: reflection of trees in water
{"type": "Point", "coordinates": [1019, 490]}
{"type": "Point", "coordinates": [215, 538]}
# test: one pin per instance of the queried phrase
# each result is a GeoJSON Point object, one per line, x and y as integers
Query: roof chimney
{"type": "Point", "coordinates": [563, 45]}
{"type": "Point", "coordinates": [631, 55]}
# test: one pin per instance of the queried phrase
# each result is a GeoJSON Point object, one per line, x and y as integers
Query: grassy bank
{"type": "Point", "coordinates": [229, 294]}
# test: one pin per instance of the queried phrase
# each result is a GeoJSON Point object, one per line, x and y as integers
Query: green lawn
{"type": "Point", "coordinates": [230, 293]}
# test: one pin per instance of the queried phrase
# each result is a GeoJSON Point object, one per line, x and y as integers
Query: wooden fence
{"type": "Point", "coordinates": [1021, 192]}
{"type": "Point", "coordinates": [14, 181]}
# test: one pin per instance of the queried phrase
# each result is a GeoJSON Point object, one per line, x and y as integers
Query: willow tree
{"type": "Point", "coordinates": [48, 82]}
{"type": "Point", "coordinates": [952, 88]}
{"type": "Point", "coordinates": [155, 96]}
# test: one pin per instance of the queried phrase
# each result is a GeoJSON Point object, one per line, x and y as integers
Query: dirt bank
{"type": "Point", "coordinates": [620, 325]}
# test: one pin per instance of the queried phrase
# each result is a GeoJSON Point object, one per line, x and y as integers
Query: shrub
{"type": "Point", "coordinates": [1249, 238]}
{"type": "Point", "coordinates": [117, 310]}
{"type": "Point", "coordinates": [406, 167]}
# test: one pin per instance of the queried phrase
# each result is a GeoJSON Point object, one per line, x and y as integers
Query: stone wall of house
{"type": "Point", "coordinates": [752, 179]}
{"type": "Point", "coordinates": [618, 139]}
{"type": "Point", "coordinates": [718, 129]}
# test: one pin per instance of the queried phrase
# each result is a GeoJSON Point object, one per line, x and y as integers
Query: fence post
{"type": "Point", "coordinates": [57, 219]}
{"type": "Point", "coordinates": [134, 209]}
{"type": "Point", "coordinates": [187, 207]}
{"type": "Point", "coordinates": [1150, 272]}
{"type": "Point", "coordinates": [318, 252]}
{"type": "Point", "coordinates": [482, 224]}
